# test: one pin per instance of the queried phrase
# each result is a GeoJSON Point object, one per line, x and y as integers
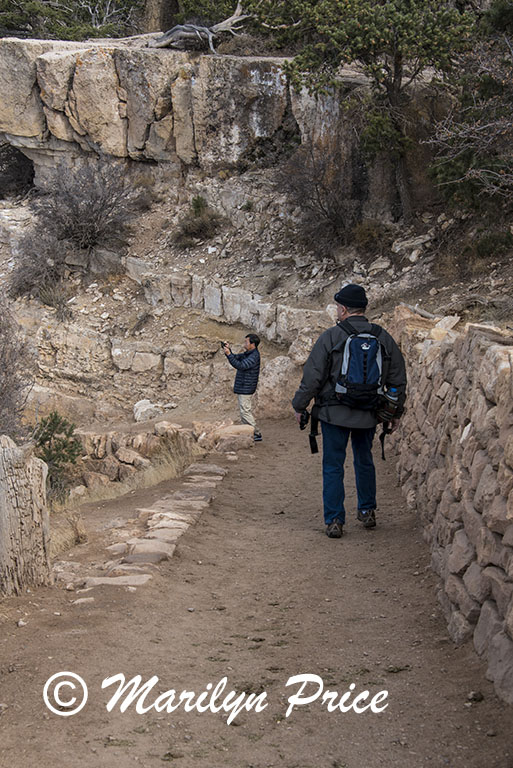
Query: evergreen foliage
{"type": "Point", "coordinates": [394, 40]}
{"type": "Point", "coordinates": [70, 20]}
{"type": "Point", "coordinates": [57, 446]}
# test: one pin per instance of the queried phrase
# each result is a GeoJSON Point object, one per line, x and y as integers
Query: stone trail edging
{"type": "Point", "coordinates": [138, 556]}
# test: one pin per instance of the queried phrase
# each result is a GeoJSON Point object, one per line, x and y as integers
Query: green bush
{"type": "Point", "coordinates": [73, 20]}
{"type": "Point", "coordinates": [493, 244]}
{"type": "Point", "coordinates": [57, 446]}
{"type": "Point", "coordinates": [499, 17]}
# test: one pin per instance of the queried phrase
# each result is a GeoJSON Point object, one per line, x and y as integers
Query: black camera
{"type": "Point", "coordinates": [303, 422]}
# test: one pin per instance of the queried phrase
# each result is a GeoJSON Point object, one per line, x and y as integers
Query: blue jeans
{"type": "Point", "coordinates": [334, 446]}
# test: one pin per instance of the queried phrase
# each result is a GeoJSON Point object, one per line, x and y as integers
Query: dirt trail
{"type": "Point", "coordinates": [257, 593]}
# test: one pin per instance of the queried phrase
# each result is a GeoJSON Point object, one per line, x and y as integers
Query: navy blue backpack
{"type": "Point", "coordinates": [360, 383]}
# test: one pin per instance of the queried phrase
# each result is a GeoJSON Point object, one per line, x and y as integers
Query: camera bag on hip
{"type": "Point", "coordinates": [360, 383]}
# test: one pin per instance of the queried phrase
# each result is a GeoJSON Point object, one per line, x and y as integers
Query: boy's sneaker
{"type": "Point", "coordinates": [334, 530]}
{"type": "Point", "coordinates": [257, 437]}
{"type": "Point", "coordinates": [367, 517]}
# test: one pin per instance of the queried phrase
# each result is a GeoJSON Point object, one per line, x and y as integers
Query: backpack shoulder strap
{"type": "Point", "coordinates": [348, 327]}
{"type": "Point", "coordinates": [376, 330]}
{"type": "Point", "coordinates": [338, 346]}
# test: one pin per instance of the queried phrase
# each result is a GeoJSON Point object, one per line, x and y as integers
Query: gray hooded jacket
{"type": "Point", "coordinates": [322, 370]}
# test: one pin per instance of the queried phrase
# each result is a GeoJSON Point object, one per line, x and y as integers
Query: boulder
{"type": "Point", "coordinates": [278, 381]}
{"type": "Point", "coordinates": [126, 456]}
{"type": "Point", "coordinates": [95, 479]}
{"type": "Point", "coordinates": [145, 410]}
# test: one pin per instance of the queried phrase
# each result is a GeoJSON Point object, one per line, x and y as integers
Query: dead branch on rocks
{"type": "Point", "coordinates": [419, 311]}
{"type": "Point", "coordinates": [184, 37]}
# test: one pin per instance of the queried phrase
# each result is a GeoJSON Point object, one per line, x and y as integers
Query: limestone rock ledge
{"type": "Point", "coordinates": [142, 103]}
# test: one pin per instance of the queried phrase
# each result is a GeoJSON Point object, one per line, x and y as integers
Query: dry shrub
{"type": "Point", "coordinates": [89, 207]}
{"type": "Point", "coordinates": [40, 265]}
{"type": "Point", "coordinates": [372, 237]}
{"type": "Point", "coordinates": [320, 181]}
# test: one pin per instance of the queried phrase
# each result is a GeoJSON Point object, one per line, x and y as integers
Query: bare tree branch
{"type": "Point", "coordinates": [186, 36]}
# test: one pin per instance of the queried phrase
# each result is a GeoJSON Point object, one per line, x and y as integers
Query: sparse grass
{"type": "Point", "coordinates": [372, 237]}
{"type": "Point", "coordinates": [41, 264]}
{"type": "Point", "coordinates": [57, 297]}
{"type": "Point", "coordinates": [199, 223]}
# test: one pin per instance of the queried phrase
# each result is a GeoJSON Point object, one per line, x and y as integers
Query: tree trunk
{"type": "Point", "coordinates": [160, 15]}
{"type": "Point", "coordinates": [24, 524]}
{"type": "Point", "coordinates": [403, 188]}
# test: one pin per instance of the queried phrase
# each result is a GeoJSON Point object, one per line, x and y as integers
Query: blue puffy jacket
{"type": "Point", "coordinates": [248, 369]}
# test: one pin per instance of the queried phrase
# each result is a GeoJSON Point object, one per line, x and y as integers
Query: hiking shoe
{"type": "Point", "coordinates": [334, 530]}
{"type": "Point", "coordinates": [367, 517]}
{"type": "Point", "coordinates": [257, 437]}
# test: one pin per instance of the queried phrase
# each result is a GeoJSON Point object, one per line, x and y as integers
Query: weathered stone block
{"type": "Point", "coordinates": [504, 478]}
{"type": "Point", "coordinates": [457, 594]}
{"type": "Point", "coordinates": [487, 627]}
{"type": "Point", "coordinates": [213, 300]}
{"type": "Point", "coordinates": [472, 520]}
{"type": "Point", "coordinates": [95, 479]}
{"type": "Point", "coordinates": [181, 290]}
{"type": "Point", "coordinates": [197, 292]}
{"type": "Point", "coordinates": [495, 360]}
{"type": "Point", "coordinates": [145, 361]}
{"type": "Point", "coordinates": [477, 587]}
{"type": "Point", "coordinates": [93, 104]}
{"type": "Point", "coordinates": [480, 463]}
{"type": "Point", "coordinates": [461, 553]}
{"type": "Point", "coordinates": [498, 515]}
{"type": "Point", "coordinates": [502, 591]}
{"type": "Point", "coordinates": [486, 489]}
{"type": "Point", "coordinates": [459, 628]}
{"type": "Point", "coordinates": [507, 539]}
{"type": "Point", "coordinates": [488, 547]}
{"type": "Point", "coordinates": [500, 666]}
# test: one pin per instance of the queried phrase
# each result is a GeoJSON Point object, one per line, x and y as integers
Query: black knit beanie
{"type": "Point", "coordinates": [352, 296]}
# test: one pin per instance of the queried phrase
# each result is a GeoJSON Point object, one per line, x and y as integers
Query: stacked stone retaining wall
{"type": "Point", "coordinates": [456, 469]}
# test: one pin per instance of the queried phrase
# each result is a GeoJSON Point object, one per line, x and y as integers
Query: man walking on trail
{"type": "Point", "coordinates": [246, 379]}
{"type": "Point", "coordinates": [357, 375]}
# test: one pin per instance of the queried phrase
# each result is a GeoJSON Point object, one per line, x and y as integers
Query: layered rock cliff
{"type": "Point", "coordinates": [63, 102]}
